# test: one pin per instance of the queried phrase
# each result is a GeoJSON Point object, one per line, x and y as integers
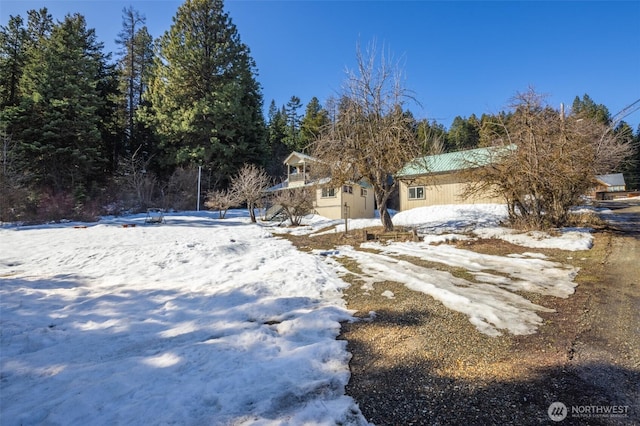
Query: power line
{"type": "Point", "coordinates": [628, 110]}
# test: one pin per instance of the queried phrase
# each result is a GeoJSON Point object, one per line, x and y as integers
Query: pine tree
{"type": "Point", "coordinates": [131, 22]}
{"type": "Point", "coordinates": [134, 68]}
{"type": "Point", "coordinates": [13, 46]}
{"type": "Point", "coordinates": [432, 136]}
{"type": "Point", "coordinates": [293, 118]}
{"type": "Point", "coordinates": [60, 126]}
{"type": "Point", "coordinates": [314, 119]}
{"type": "Point", "coordinates": [277, 132]}
{"type": "Point", "coordinates": [587, 108]}
{"type": "Point", "coordinates": [206, 103]}
{"type": "Point", "coordinates": [630, 168]}
{"type": "Point", "coordinates": [464, 133]}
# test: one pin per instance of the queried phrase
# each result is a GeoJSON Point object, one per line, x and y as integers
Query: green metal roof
{"type": "Point", "coordinates": [454, 161]}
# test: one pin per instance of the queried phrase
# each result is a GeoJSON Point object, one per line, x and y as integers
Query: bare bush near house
{"type": "Point", "coordinates": [370, 137]}
{"type": "Point", "coordinates": [553, 166]}
{"type": "Point", "coordinates": [221, 201]}
{"type": "Point", "coordinates": [296, 203]}
{"type": "Point", "coordinates": [248, 185]}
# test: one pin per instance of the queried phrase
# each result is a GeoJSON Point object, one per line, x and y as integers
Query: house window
{"type": "Point", "coordinates": [328, 192]}
{"type": "Point", "coordinates": [347, 189]}
{"type": "Point", "coordinates": [416, 193]}
{"type": "Point", "coordinates": [363, 192]}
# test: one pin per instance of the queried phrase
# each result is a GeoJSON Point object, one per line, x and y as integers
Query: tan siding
{"type": "Point", "coordinates": [328, 207]}
{"type": "Point", "coordinates": [359, 206]}
{"type": "Point", "coordinates": [440, 190]}
{"type": "Point", "coordinates": [332, 207]}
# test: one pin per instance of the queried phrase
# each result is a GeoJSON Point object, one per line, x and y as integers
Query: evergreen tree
{"type": "Point", "coordinates": [631, 167]}
{"type": "Point", "coordinates": [61, 98]}
{"type": "Point", "coordinates": [206, 104]}
{"type": "Point", "coordinates": [39, 25]}
{"type": "Point", "coordinates": [292, 139]}
{"type": "Point", "coordinates": [314, 119]}
{"type": "Point", "coordinates": [39, 28]}
{"type": "Point", "coordinates": [587, 108]}
{"type": "Point", "coordinates": [129, 69]}
{"type": "Point", "coordinates": [277, 132]}
{"type": "Point", "coordinates": [13, 46]}
{"type": "Point", "coordinates": [464, 133]}
{"type": "Point", "coordinates": [432, 136]}
{"type": "Point", "coordinates": [111, 123]}
{"type": "Point", "coordinates": [492, 128]}
{"type": "Point", "coordinates": [134, 67]}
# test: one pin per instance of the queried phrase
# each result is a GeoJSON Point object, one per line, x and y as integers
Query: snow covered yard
{"type": "Point", "coordinates": [199, 321]}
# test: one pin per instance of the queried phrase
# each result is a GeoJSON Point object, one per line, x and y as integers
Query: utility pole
{"type": "Point", "coordinates": [346, 218]}
{"type": "Point", "coordinates": [199, 174]}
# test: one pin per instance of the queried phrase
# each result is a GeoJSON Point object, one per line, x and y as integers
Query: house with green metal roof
{"type": "Point", "coordinates": [441, 179]}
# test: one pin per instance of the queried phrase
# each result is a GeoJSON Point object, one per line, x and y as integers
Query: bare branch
{"type": "Point", "coordinates": [296, 203]}
{"type": "Point", "coordinates": [221, 201]}
{"type": "Point", "coordinates": [371, 136]}
{"type": "Point", "coordinates": [553, 166]}
{"type": "Point", "coordinates": [249, 185]}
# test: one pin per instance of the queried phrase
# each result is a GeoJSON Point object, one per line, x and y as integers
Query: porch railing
{"type": "Point", "coordinates": [299, 177]}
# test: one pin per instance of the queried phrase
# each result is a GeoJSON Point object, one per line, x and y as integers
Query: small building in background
{"type": "Point", "coordinates": [441, 179]}
{"type": "Point", "coordinates": [351, 200]}
{"type": "Point", "coordinates": [609, 186]}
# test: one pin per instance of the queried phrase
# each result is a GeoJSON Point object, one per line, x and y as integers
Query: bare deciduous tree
{"type": "Point", "coordinates": [296, 203]}
{"type": "Point", "coordinates": [553, 163]}
{"type": "Point", "coordinates": [138, 184]}
{"type": "Point", "coordinates": [222, 201]}
{"type": "Point", "coordinates": [370, 137]}
{"type": "Point", "coordinates": [181, 192]}
{"type": "Point", "coordinates": [249, 185]}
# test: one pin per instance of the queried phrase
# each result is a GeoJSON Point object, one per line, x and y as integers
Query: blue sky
{"type": "Point", "coordinates": [459, 57]}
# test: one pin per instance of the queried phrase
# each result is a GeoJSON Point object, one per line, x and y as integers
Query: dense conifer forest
{"type": "Point", "coordinates": [87, 132]}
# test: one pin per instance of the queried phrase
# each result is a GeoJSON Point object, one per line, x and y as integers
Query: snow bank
{"type": "Point", "coordinates": [483, 220]}
{"type": "Point", "coordinates": [448, 222]}
{"type": "Point", "coordinates": [451, 218]}
{"type": "Point", "coordinates": [570, 239]}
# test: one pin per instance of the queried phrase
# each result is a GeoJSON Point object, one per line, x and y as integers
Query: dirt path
{"type": "Point", "coordinates": [609, 348]}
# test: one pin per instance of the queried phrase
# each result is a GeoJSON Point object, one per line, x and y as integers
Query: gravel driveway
{"type": "Point", "coordinates": [417, 362]}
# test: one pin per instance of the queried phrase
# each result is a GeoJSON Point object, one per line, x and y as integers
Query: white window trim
{"type": "Point", "coordinates": [328, 190]}
{"type": "Point", "coordinates": [415, 188]}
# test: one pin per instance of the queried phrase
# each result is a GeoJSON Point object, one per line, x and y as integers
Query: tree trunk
{"type": "Point", "coordinates": [252, 212]}
{"type": "Point", "coordinates": [387, 223]}
{"type": "Point", "coordinates": [385, 217]}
